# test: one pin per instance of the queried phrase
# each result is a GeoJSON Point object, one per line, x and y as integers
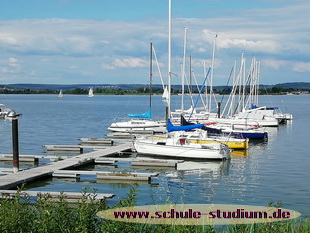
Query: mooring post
{"type": "Point", "coordinates": [15, 143]}
{"type": "Point", "coordinates": [218, 109]}
{"type": "Point", "coordinates": [167, 116]}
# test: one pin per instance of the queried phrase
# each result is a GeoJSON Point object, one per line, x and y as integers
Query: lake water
{"type": "Point", "coordinates": [274, 171]}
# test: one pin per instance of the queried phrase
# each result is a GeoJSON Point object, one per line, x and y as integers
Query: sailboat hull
{"type": "Point", "coordinates": [249, 135]}
{"type": "Point", "coordinates": [182, 151]}
{"type": "Point", "coordinates": [138, 125]}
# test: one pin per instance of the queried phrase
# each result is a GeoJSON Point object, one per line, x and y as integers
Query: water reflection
{"type": "Point", "coordinates": [192, 181]}
{"type": "Point", "coordinates": [241, 153]}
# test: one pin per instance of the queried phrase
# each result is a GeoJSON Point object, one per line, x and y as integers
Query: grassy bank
{"type": "Point", "coordinates": [45, 215]}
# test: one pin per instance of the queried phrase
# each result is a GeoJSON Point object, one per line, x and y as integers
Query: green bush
{"type": "Point", "coordinates": [23, 214]}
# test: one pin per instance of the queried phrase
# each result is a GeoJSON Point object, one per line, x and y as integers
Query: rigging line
{"type": "Point", "coordinates": [158, 68]}
{"type": "Point", "coordinates": [246, 98]}
{"type": "Point", "coordinates": [202, 86]}
{"type": "Point", "coordinates": [201, 98]}
{"type": "Point", "coordinates": [189, 89]}
{"type": "Point", "coordinates": [232, 69]}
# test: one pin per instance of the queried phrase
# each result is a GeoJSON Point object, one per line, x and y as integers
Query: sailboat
{"type": "Point", "coordinates": [6, 112]}
{"type": "Point", "coordinates": [91, 92]}
{"type": "Point", "coordinates": [141, 123]}
{"type": "Point", "coordinates": [180, 147]}
{"type": "Point", "coordinates": [177, 145]}
{"type": "Point", "coordinates": [60, 95]}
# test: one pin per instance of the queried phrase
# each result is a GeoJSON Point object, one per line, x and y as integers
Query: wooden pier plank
{"type": "Point", "coordinates": [76, 148]}
{"type": "Point", "coordinates": [22, 158]}
{"type": "Point", "coordinates": [125, 177]}
{"type": "Point", "coordinates": [96, 140]}
{"type": "Point", "coordinates": [142, 161]}
{"type": "Point", "coordinates": [80, 172]}
{"type": "Point", "coordinates": [7, 157]}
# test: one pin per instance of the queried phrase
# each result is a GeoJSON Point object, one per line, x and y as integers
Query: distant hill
{"type": "Point", "coordinates": [23, 86]}
{"type": "Point", "coordinates": [295, 85]}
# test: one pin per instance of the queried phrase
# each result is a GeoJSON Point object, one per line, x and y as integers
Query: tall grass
{"type": "Point", "coordinates": [23, 214]}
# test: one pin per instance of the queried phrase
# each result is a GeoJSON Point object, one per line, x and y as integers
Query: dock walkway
{"type": "Point", "coordinates": [11, 181]}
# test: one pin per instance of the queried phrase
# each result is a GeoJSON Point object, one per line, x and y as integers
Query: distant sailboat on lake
{"type": "Point", "coordinates": [91, 92]}
{"type": "Point", "coordinates": [60, 95]}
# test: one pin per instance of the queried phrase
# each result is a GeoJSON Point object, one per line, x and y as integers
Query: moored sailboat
{"type": "Point", "coordinates": [6, 112]}
{"type": "Point", "coordinates": [141, 122]}
{"type": "Point", "coordinates": [179, 146]}
{"type": "Point", "coordinates": [138, 125]}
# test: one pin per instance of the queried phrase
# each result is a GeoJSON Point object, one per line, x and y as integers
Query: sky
{"type": "Point", "coordinates": [107, 42]}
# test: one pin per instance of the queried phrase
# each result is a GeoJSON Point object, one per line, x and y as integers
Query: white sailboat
{"type": "Point", "coordinates": [141, 123]}
{"type": "Point", "coordinates": [6, 112]}
{"type": "Point", "coordinates": [137, 125]}
{"type": "Point", "coordinates": [60, 95]}
{"type": "Point", "coordinates": [180, 147]}
{"type": "Point", "coordinates": [91, 92]}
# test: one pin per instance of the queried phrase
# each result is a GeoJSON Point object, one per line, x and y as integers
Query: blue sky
{"type": "Point", "coordinates": [105, 41]}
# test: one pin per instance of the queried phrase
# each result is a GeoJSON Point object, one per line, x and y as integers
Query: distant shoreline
{"type": "Point", "coordinates": [297, 88]}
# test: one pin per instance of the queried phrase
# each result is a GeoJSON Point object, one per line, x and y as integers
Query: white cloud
{"type": "Point", "coordinates": [13, 62]}
{"type": "Point", "coordinates": [275, 64]}
{"type": "Point", "coordinates": [244, 39]}
{"type": "Point", "coordinates": [107, 67]}
{"type": "Point", "coordinates": [4, 70]}
{"type": "Point", "coordinates": [130, 63]}
{"type": "Point", "coordinates": [302, 67]}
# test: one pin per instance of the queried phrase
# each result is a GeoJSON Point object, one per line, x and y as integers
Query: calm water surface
{"type": "Point", "coordinates": [273, 171]}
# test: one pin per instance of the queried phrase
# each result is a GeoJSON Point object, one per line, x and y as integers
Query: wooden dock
{"type": "Point", "coordinates": [74, 148]}
{"type": "Point", "coordinates": [107, 175]}
{"type": "Point", "coordinates": [141, 161]}
{"type": "Point", "coordinates": [22, 158]}
{"type": "Point", "coordinates": [71, 148]}
{"type": "Point", "coordinates": [96, 141]}
{"type": "Point", "coordinates": [14, 180]}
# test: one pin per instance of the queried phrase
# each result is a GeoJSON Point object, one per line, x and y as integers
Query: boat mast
{"type": "Point", "coordinates": [169, 60]}
{"type": "Point", "coordinates": [183, 71]}
{"type": "Point", "coordinates": [257, 82]}
{"type": "Point", "coordinates": [212, 74]}
{"type": "Point", "coordinates": [190, 75]}
{"type": "Point", "coordinates": [151, 73]}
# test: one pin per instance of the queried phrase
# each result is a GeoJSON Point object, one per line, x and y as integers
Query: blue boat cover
{"type": "Point", "coordinates": [268, 108]}
{"type": "Point", "coordinates": [185, 122]}
{"type": "Point", "coordinates": [253, 106]}
{"type": "Point", "coordinates": [211, 131]}
{"type": "Point", "coordinates": [171, 127]}
{"type": "Point", "coordinates": [146, 115]}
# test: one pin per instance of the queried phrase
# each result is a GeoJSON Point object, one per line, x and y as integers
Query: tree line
{"type": "Point", "coordinates": [145, 91]}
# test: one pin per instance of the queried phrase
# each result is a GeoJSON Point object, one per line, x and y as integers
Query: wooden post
{"type": "Point", "coordinates": [167, 116]}
{"type": "Point", "coordinates": [218, 109]}
{"type": "Point", "coordinates": [15, 145]}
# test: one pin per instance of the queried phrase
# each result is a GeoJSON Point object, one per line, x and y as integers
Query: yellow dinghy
{"type": "Point", "coordinates": [232, 143]}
